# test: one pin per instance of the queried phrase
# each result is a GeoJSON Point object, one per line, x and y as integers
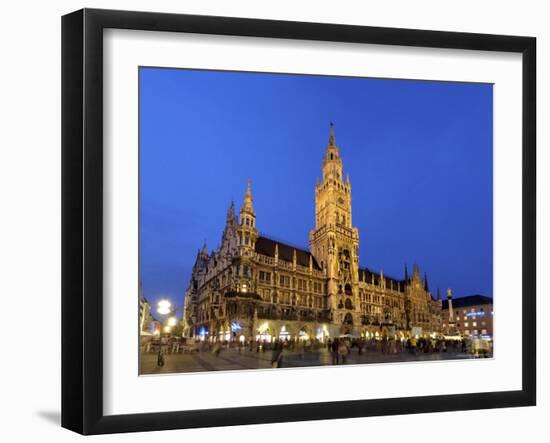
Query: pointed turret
{"type": "Point", "coordinates": [406, 273]}
{"type": "Point", "coordinates": [231, 211]}
{"type": "Point", "coordinates": [247, 224]}
{"type": "Point", "coordinates": [416, 272]}
{"type": "Point", "coordinates": [331, 139]}
{"type": "Point", "coordinates": [247, 205]}
{"type": "Point", "coordinates": [426, 288]}
{"type": "Point", "coordinates": [332, 163]}
{"type": "Point", "coordinates": [247, 214]}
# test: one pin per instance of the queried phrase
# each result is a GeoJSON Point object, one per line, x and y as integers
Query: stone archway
{"type": "Point", "coordinates": [264, 331]}
{"type": "Point", "coordinates": [305, 333]}
{"type": "Point", "coordinates": [347, 324]}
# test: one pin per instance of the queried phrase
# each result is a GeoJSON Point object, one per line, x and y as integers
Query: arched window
{"type": "Point", "coordinates": [331, 156]}
{"type": "Point", "coordinates": [348, 319]}
{"type": "Point", "coordinates": [347, 289]}
{"type": "Point", "coordinates": [348, 304]}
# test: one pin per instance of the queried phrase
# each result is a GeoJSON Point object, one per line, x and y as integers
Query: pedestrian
{"type": "Point", "coordinates": [216, 349]}
{"type": "Point", "coordinates": [277, 355]}
{"type": "Point", "coordinates": [343, 351]}
{"type": "Point", "coordinates": [160, 358]}
{"type": "Point", "coordinates": [301, 348]}
{"type": "Point", "coordinates": [334, 352]}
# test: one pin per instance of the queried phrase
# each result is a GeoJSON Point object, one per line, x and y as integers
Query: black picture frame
{"type": "Point", "coordinates": [82, 218]}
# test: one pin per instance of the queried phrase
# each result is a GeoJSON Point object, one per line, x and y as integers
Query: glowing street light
{"type": "Point", "coordinates": [172, 321]}
{"type": "Point", "coordinates": [164, 307]}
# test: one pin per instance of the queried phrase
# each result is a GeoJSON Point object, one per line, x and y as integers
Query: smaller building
{"type": "Point", "coordinates": [472, 315]}
{"type": "Point", "coordinates": [146, 320]}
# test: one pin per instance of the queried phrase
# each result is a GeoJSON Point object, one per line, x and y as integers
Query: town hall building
{"type": "Point", "coordinates": [256, 288]}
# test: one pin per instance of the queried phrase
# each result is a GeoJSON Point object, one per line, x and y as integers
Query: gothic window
{"type": "Point", "coordinates": [348, 304]}
{"type": "Point", "coordinates": [332, 156]}
{"type": "Point", "coordinates": [348, 289]}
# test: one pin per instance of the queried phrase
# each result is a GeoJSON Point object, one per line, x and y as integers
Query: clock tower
{"type": "Point", "coordinates": [335, 242]}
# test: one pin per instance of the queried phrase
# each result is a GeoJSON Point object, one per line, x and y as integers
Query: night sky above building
{"type": "Point", "coordinates": [418, 154]}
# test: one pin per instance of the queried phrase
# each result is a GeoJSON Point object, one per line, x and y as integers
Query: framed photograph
{"type": "Point", "coordinates": [280, 221]}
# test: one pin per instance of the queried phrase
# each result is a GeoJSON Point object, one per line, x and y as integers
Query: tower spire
{"type": "Point", "coordinates": [231, 211]}
{"type": "Point", "coordinates": [426, 288]}
{"type": "Point", "coordinates": [331, 140]}
{"type": "Point", "coordinates": [247, 206]}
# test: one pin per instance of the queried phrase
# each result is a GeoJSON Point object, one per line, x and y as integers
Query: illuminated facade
{"type": "Point", "coordinates": [256, 288]}
{"type": "Point", "coordinates": [470, 316]}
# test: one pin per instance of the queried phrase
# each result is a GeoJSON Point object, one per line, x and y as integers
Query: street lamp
{"type": "Point", "coordinates": [164, 307]}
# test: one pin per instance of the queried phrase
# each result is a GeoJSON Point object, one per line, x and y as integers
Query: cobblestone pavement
{"type": "Point", "coordinates": [234, 359]}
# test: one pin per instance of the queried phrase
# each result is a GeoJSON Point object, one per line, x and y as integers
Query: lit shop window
{"type": "Point", "coordinates": [484, 332]}
{"type": "Point", "coordinates": [466, 332]}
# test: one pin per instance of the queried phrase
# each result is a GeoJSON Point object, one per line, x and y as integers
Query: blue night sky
{"type": "Point", "coordinates": [418, 153]}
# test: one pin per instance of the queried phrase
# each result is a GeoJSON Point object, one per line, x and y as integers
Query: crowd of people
{"type": "Point", "coordinates": [340, 348]}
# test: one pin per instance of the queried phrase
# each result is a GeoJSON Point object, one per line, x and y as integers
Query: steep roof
{"type": "Point", "coordinates": [266, 246]}
{"type": "Point", "coordinates": [369, 273]}
{"type": "Point", "coordinates": [470, 300]}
